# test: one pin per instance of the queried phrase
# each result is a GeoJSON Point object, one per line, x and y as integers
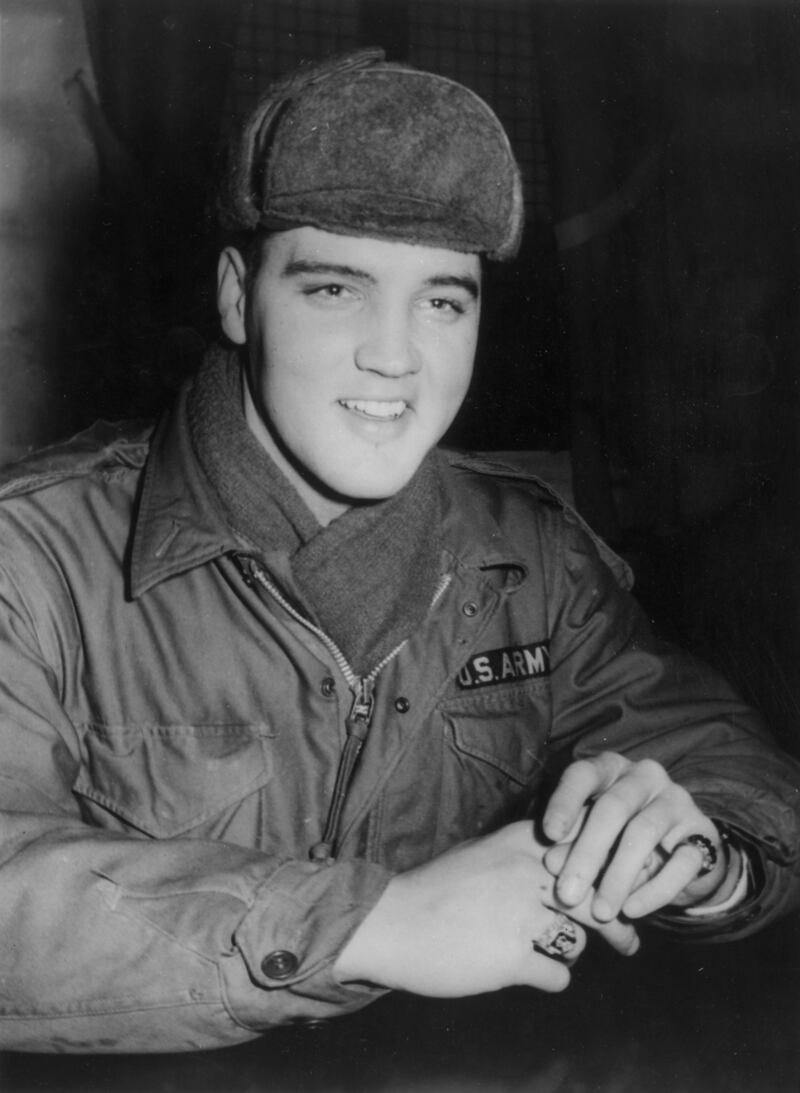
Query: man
{"type": "Point", "coordinates": [283, 683]}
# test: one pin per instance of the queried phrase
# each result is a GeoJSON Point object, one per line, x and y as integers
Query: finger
{"type": "Point", "coordinates": [580, 782]}
{"type": "Point", "coordinates": [562, 939]}
{"type": "Point", "coordinates": [554, 947]}
{"type": "Point", "coordinates": [544, 973]}
{"type": "Point", "coordinates": [656, 830]}
{"type": "Point", "coordinates": [655, 862]}
{"type": "Point", "coordinates": [555, 856]}
{"type": "Point", "coordinates": [679, 871]}
{"type": "Point", "coordinates": [607, 819]}
{"type": "Point", "coordinates": [635, 853]}
{"type": "Point", "coordinates": [621, 935]}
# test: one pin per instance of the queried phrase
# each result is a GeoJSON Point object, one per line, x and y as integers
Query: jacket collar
{"type": "Point", "coordinates": [177, 525]}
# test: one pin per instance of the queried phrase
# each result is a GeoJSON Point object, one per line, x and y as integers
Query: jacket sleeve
{"type": "Point", "coordinates": [117, 943]}
{"type": "Point", "coordinates": [616, 687]}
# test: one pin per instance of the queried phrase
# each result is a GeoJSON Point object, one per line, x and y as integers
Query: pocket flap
{"type": "Point", "coordinates": [502, 741]}
{"type": "Point", "coordinates": [166, 779]}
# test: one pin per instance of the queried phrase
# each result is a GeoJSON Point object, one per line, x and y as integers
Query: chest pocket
{"type": "Point", "coordinates": [167, 780]}
{"type": "Point", "coordinates": [495, 745]}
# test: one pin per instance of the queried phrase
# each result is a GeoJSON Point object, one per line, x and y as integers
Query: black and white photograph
{"type": "Point", "coordinates": [399, 546]}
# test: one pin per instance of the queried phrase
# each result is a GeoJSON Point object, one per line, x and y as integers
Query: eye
{"type": "Point", "coordinates": [328, 294]}
{"type": "Point", "coordinates": [445, 307]}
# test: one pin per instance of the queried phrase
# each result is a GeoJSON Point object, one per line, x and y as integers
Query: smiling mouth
{"type": "Point", "coordinates": [378, 411]}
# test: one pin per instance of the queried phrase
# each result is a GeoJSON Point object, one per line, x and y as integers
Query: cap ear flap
{"type": "Point", "coordinates": [241, 191]}
{"type": "Point", "coordinates": [509, 246]}
{"type": "Point", "coordinates": [231, 294]}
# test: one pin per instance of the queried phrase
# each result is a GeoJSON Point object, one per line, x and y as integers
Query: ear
{"type": "Point", "coordinates": [231, 278]}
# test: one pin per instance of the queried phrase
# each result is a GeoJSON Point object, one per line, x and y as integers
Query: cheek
{"type": "Point", "coordinates": [278, 336]}
{"type": "Point", "coordinates": [455, 371]}
{"type": "Point", "coordinates": [285, 400]}
{"type": "Point", "coordinates": [279, 365]}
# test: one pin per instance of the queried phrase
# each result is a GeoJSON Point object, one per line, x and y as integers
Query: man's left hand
{"type": "Point", "coordinates": [622, 826]}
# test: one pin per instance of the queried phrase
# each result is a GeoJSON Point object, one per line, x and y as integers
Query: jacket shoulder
{"type": "Point", "coordinates": [493, 474]}
{"type": "Point", "coordinates": [103, 447]}
{"type": "Point", "coordinates": [553, 490]}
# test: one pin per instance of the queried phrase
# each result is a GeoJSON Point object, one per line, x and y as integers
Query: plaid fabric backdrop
{"type": "Point", "coordinates": [485, 44]}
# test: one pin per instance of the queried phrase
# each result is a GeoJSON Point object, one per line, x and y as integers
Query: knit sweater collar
{"type": "Point", "coordinates": [368, 578]}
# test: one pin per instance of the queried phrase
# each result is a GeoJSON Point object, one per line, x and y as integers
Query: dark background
{"type": "Point", "coordinates": [649, 331]}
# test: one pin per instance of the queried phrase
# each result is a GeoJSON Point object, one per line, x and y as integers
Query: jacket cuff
{"type": "Point", "coordinates": [760, 903]}
{"type": "Point", "coordinates": [288, 942]}
{"type": "Point", "coordinates": [742, 888]}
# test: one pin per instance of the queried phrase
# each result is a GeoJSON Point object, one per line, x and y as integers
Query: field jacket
{"type": "Point", "coordinates": [171, 727]}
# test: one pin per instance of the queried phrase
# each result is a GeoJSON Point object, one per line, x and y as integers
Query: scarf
{"type": "Point", "coordinates": [368, 578]}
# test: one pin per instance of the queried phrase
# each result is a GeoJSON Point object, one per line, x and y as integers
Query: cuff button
{"type": "Point", "coordinates": [280, 964]}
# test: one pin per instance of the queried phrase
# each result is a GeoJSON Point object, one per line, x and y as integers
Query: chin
{"type": "Point", "coordinates": [366, 496]}
{"type": "Point", "coordinates": [369, 490]}
{"type": "Point", "coordinates": [378, 477]}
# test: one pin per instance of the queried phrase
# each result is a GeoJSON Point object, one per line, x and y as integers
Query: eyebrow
{"type": "Point", "coordinates": [469, 284]}
{"type": "Point", "coordinates": [333, 269]}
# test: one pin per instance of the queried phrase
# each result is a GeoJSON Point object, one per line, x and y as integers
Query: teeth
{"type": "Point", "coordinates": [384, 410]}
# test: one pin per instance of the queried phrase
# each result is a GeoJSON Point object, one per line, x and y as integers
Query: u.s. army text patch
{"type": "Point", "coordinates": [505, 665]}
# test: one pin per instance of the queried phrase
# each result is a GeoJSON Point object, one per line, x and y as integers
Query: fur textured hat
{"type": "Point", "coordinates": [362, 146]}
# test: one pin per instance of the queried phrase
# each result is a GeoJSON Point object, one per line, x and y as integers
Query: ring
{"type": "Point", "coordinates": [706, 848]}
{"type": "Point", "coordinates": [559, 939]}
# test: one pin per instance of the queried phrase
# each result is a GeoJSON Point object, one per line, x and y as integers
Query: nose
{"type": "Point", "coordinates": [386, 345]}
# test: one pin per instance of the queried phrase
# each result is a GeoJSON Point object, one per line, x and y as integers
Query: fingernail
{"type": "Point", "coordinates": [602, 909]}
{"type": "Point", "coordinates": [555, 827]}
{"type": "Point", "coordinates": [570, 890]}
{"type": "Point", "coordinates": [634, 946]}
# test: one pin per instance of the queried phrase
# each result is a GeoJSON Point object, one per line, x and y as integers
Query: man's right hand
{"type": "Point", "coordinates": [465, 923]}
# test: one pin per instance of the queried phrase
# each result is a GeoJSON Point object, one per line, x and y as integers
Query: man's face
{"type": "Point", "coordinates": [360, 354]}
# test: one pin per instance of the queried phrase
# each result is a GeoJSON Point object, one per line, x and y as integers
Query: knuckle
{"type": "Point", "coordinates": [579, 770]}
{"type": "Point", "coordinates": [514, 838]}
{"type": "Point", "coordinates": [613, 803]}
{"type": "Point", "coordinates": [645, 828]}
{"type": "Point", "coordinates": [614, 762]}
{"type": "Point", "coordinates": [610, 814]}
{"type": "Point", "coordinates": [506, 840]}
{"type": "Point", "coordinates": [523, 870]}
{"type": "Point", "coordinates": [653, 771]}
{"type": "Point", "coordinates": [681, 798]}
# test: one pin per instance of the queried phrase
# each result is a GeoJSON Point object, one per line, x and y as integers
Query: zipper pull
{"type": "Point", "coordinates": [247, 568]}
{"type": "Point", "coordinates": [359, 719]}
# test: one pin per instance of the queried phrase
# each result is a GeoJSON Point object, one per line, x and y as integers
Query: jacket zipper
{"type": "Point", "coordinates": [362, 709]}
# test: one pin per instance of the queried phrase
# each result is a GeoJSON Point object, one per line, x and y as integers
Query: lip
{"type": "Point", "coordinates": [378, 410]}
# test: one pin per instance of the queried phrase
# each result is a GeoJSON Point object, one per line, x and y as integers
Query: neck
{"type": "Point", "coordinates": [368, 578]}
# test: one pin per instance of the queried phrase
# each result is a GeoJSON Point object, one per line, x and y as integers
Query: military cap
{"type": "Point", "coordinates": [362, 146]}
